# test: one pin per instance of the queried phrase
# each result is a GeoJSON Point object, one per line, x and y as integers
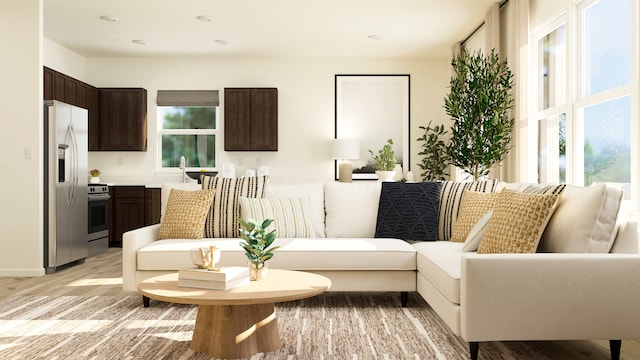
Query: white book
{"type": "Point", "coordinates": [213, 285]}
{"type": "Point", "coordinates": [224, 274]}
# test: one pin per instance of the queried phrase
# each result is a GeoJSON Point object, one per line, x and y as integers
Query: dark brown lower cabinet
{"type": "Point", "coordinates": [132, 207]}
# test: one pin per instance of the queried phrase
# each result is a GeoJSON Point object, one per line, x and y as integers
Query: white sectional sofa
{"type": "Point", "coordinates": [567, 295]}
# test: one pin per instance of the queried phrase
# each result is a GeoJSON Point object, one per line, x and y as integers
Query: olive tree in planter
{"type": "Point", "coordinates": [480, 104]}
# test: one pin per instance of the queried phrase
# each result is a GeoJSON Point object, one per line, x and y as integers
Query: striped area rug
{"type": "Point", "coordinates": [331, 326]}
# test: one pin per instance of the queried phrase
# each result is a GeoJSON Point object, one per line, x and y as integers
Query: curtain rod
{"type": "Point", "coordinates": [502, 4]}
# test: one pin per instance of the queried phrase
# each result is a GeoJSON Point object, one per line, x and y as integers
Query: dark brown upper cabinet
{"type": "Point", "coordinates": [251, 119]}
{"type": "Point", "coordinates": [123, 119]}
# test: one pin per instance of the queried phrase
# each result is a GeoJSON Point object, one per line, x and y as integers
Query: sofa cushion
{"type": "Point", "coordinates": [290, 216]}
{"type": "Point", "coordinates": [408, 211]}
{"type": "Point", "coordinates": [584, 221]}
{"type": "Point", "coordinates": [440, 261]}
{"type": "Point", "coordinates": [517, 222]}
{"type": "Point", "coordinates": [186, 214]}
{"type": "Point", "coordinates": [222, 219]}
{"type": "Point", "coordinates": [473, 206]}
{"type": "Point", "coordinates": [313, 191]}
{"type": "Point", "coordinates": [450, 197]}
{"type": "Point", "coordinates": [351, 209]}
{"type": "Point", "coordinates": [293, 254]}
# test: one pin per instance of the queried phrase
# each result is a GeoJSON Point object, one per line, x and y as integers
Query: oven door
{"type": "Point", "coordinates": [98, 213]}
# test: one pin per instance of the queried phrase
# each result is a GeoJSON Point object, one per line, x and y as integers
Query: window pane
{"type": "Point", "coordinates": [174, 117]}
{"type": "Point", "coordinates": [552, 147]}
{"type": "Point", "coordinates": [198, 150]}
{"type": "Point", "coordinates": [607, 139]}
{"type": "Point", "coordinates": [607, 44]}
{"type": "Point", "coordinates": [552, 69]}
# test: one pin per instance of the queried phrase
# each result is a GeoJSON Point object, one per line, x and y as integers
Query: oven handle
{"type": "Point", "coordinates": [99, 197]}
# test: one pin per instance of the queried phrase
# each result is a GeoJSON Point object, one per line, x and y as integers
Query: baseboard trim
{"type": "Point", "coordinates": [21, 272]}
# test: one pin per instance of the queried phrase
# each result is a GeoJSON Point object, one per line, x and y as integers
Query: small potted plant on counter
{"type": "Point", "coordinates": [95, 176]}
{"type": "Point", "coordinates": [385, 162]}
{"type": "Point", "coordinates": [257, 245]}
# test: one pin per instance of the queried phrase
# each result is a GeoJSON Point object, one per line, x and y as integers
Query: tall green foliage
{"type": "Point", "coordinates": [434, 151]}
{"type": "Point", "coordinates": [479, 104]}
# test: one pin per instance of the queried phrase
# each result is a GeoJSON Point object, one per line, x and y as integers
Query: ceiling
{"type": "Point", "coordinates": [289, 28]}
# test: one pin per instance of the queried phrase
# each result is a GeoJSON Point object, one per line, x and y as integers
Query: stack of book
{"type": "Point", "coordinates": [224, 279]}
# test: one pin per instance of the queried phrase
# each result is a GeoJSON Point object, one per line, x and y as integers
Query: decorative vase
{"type": "Point", "coordinates": [94, 180]}
{"type": "Point", "coordinates": [257, 271]}
{"type": "Point", "coordinates": [385, 175]}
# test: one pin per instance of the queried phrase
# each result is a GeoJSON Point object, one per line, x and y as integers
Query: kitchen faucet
{"type": "Point", "coordinates": [183, 166]}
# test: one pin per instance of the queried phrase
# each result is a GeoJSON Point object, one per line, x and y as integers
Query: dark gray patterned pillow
{"type": "Point", "coordinates": [408, 211]}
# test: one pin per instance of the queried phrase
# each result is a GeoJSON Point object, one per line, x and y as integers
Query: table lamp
{"type": "Point", "coordinates": [344, 150]}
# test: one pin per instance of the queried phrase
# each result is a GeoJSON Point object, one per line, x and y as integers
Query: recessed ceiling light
{"type": "Point", "coordinates": [139, 42]}
{"type": "Point", "coordinates": [221, 42]}
{"type": "Point", "coordinates": [108, 18]}
{"type": "Point", "coordinates": [375, 37]}
{"type": "Point", "coordinates": [205, 18]}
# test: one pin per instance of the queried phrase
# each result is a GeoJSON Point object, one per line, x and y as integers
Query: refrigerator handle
{"type": "Point", "coordinates": [74, 164]}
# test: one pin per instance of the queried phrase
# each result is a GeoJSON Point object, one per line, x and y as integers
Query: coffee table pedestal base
{"type": "Point", "coordinates": [235, 331]}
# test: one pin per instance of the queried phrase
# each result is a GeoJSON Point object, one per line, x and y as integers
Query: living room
{"type": "Point", "coordinates": [307, 104]}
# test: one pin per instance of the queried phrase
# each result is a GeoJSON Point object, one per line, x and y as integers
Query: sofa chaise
{"type": "Point", "coordinates": [581, 284]}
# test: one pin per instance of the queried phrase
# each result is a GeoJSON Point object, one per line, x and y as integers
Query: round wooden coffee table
{"type": "Point", "coordinates": [241, 321]}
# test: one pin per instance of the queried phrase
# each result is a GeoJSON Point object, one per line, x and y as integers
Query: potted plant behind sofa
{"type": "Point", "coordinates": [480, 104]}
{"type": "Point", "coordinates": [257, 242]}
{"type": "Point", "coordinates": [385, 162]}
{"type": "Point", "coordinates": [435, 161]}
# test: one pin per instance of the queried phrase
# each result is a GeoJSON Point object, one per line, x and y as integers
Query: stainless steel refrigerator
{"type": "Point", "coordinates": [66, 141]}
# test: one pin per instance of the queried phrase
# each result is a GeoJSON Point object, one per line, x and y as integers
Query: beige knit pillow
{"type": "Point", "coordinates": [185, 215]}
{"type": "Point", "coordinates": [518, 222]}
{"type": "Point", "coordinates": [473, 206]}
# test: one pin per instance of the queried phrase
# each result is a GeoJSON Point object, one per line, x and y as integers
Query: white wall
{"type": "Point", "coordinates": [542, 10]}
{"type": "Point", "coordinates": [306, 106]}
{"type": "Point", "coordinates": [21, 116]}
{"type": "Point", "coordinates": [61, 59]}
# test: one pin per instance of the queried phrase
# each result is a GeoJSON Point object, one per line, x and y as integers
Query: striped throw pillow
{"type": "Point", "coordinates": [225, 209]}
{"type": "Point", "coordinates": [450, 197]}
{"type": "Point", "coordinates": [290, 215]}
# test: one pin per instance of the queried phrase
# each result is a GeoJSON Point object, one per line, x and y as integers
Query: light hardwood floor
{"type": "Point", "coordinates": [102, 275]}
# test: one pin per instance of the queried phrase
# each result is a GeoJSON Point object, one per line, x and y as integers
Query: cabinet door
{"type": "Point", "coordinates": [264, 119]}
{"type": "Point", "coordinates": [93, 105]}
{"type": "Point", "coordinates": [152, 198]}
{"type": "Point", "coordinates": [128, 211]}
{"type": "Point", "coordinates": [237, 119]}
{"type": "Point", "coordinates": [70, 91]}
{"type": "Point", "coordinates": [82, 91]}
{"type": "Point", "coordinates": [59, 85]}
{"type": "Point", "coordinates": [48, 82]}
{"type": "Point", "coordinates": [123, 119]}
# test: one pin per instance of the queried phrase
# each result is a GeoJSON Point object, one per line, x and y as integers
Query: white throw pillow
{"type": "Point", "coordinates": [314, 192]}
{"type": "Point", "coordinates": [289, 216]}
{"type": "Point", "coordinates": [477, 231]}
{"type": "Point", "coordinates": [352, 209]}
{"type": "Point", "coordinates": [584, 221]}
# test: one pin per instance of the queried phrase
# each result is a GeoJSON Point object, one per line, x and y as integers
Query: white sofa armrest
{"type": "Point", "coordinates": [550, 296]}
{"type": "Point", "coordinates": [131, 242]}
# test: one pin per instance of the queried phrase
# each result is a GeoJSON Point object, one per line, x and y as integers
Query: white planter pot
{"type": "Point", "coordinates": [94, 180]}
{"type": "Point", "coordinates": [385, 175]}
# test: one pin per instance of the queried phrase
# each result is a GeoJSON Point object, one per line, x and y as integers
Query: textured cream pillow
{"type": "Point", "coordinates": [518, 222]}
{"type": "Point", "coordinates": [185, 215]}
{"type": "Point", "coordinates": [290, 216]}
{"type": "Point", "coordinates": [473, 206]}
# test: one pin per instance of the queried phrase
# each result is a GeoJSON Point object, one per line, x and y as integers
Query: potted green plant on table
{"type": "Point", "coordinates": [257, 245]}
{"type": "Point", "coordinates": [480, 103]}
{"type": "Point", "coordinates": [385, 162]}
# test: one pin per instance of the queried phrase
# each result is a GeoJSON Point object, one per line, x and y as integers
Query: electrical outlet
{"type": "Point", "coordinates": [28, 152]}
{"type": "Point", "coordinates": [120, 161]}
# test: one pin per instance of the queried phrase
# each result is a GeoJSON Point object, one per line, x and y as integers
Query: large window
{"type": "Point", "coordinates": [190, 131]}
{"type": "Point", "coordinates": [585, 93]}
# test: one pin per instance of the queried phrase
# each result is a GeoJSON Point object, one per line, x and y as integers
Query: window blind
{"type": "Point", "coordinates": [187, 98]}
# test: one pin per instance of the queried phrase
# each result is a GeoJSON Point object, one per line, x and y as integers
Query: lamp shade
{"type": "Point", "coordinates": [345, 149]}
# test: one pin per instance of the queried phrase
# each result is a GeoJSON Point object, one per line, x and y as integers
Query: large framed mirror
{"type": "Point", "coordinates": [373, 109]}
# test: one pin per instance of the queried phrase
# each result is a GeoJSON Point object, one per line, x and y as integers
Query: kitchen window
{"type": "Point", "coordinates": [188, 123]}
{"type": "Point", "coordinates": [587, 96]}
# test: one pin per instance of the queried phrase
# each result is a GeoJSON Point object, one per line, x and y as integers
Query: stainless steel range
{"type": "Point", "coordinates": [98, 218]}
